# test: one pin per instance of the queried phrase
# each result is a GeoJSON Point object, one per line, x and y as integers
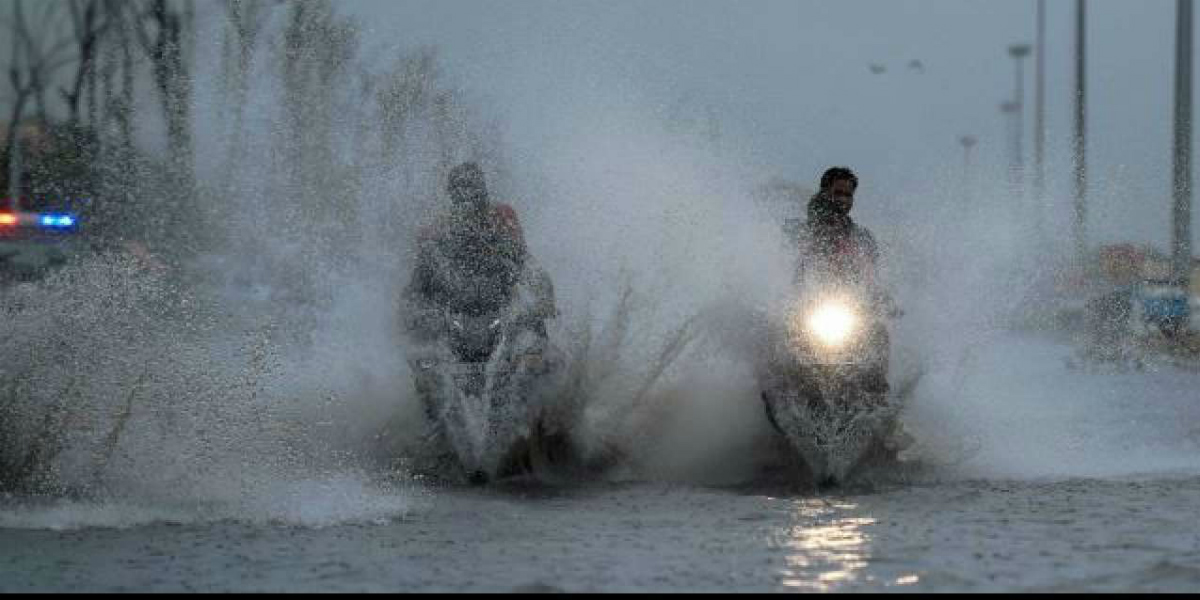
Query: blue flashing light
{"type": "Point", "coordinates": [57, 221]}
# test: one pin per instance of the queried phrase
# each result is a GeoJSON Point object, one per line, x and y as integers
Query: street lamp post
{"type": "Point", "coordinates": [1019, 52]}
{"type": "Point", "coordinates": [1039, 126]}
{"type": "Point", "coordinates": [1010, 109]}
{"type": "Point", "coordinates": [1182, 184]}
{"type": "Point", "coordinates": [968, 142]}
{"type": "Point", "coordinates": [1080, 139]}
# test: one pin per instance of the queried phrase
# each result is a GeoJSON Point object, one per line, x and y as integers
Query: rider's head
{"type": "Point", "coordinates": [466, 186]}
{"type": "Point", "coordinates": [838, 185]}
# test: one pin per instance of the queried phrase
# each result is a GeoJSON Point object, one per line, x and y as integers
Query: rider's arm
{"type": "Point", "coordinates": [882, 298]}
{"type": "Point", "coordinates": [418, 311]}
{"type": "Point", "coordinates": [799, 241]}
{"type": "Point", "coordinates": [547, 306]}
{"type": "Point", "coordinates": [510, 226]}
{"type": "Point", "coordinates": [420, 286]}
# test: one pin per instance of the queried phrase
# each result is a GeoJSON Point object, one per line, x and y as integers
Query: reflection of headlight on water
{"type": "Point", "coordinates": [832, 323]}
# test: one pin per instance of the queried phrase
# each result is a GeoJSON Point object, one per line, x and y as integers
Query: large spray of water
{"type": "Point", "coordinates": [251, 377]}
{"type": "Point", "coordinates": [264, 377]}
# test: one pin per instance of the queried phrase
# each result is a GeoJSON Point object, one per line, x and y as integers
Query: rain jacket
{"type": "Point", "coordinates": [834, 244]}
{"type": "Point", "coordinates": [469, 262]}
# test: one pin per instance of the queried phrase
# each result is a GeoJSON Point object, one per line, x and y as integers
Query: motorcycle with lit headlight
{"type": "Point", "coordinates": [824, 376]}
{"type": "Point", "coordinates": [480, 377]}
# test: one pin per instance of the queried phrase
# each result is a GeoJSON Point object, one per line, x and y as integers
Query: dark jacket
{"type": "Point", "coordinates": [831, 242]}
{"type": "Point", "coordinates": [469, 263]}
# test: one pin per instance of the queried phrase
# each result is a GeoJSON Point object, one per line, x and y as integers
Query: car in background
{"type": "Point", "coordinates": [1164, 306]}
{"type": "Point", "coordinates": [34, 243]}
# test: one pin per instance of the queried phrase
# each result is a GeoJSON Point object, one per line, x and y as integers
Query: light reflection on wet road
{"type": "Point", "coordinates": [1085, 535]}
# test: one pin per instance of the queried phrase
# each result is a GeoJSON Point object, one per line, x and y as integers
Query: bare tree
{"type": "Point", "coordinates": [89, 23]}
{"type": "Point", "coordinates": [36, 55]}
{"type": "Point", "coordinates": [162, 27]}
{"type": "Point", "coordinates": [119, 59]}
{"type": "Point", "coordinates": [318, 47]}
{"type": "Point", "coordinates": [246, 20]}
{"type": "Point", "coordinates": [44, 49]}
{"type": "Point", "coordinates": [406, 91]}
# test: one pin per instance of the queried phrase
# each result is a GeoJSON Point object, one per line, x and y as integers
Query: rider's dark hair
{"type": "Point", "coordinates": [836, 174]}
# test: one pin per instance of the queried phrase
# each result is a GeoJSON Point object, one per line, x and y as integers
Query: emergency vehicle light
{"type": "Point", "coordinates": [7, 219]}
{"type": "Point", "coordinates": [56, 221]}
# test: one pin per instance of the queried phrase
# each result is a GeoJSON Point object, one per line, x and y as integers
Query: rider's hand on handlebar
{"type": "Point", "coordinates": [888, 306]}
{"type": "Point", "coordinates": [425, 320]}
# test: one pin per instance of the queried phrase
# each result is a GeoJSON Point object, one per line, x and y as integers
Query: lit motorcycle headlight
{"type": "Point", "coordinates": [832, 324]}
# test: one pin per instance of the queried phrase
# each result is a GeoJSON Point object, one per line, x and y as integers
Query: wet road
{"type": "Point", "coordinates": [1057, 480]}
{"type": "Point", "coordinates": [1074, 535]}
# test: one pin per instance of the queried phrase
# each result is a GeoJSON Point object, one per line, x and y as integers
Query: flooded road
{"type": "Point", "coordinates": [212, 391]}
{"type": "Point", "coordinates": [1055, 481]}
{"type": "Point", "coordinates": [1075, 535]}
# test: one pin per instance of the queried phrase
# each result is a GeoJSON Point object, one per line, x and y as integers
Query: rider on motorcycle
{"type": "Point", "coordinates": [472, 257]}
{"type": "Point", "coordinates": [476, 312]}
{"type": "Point", "coordinates": [831, 244]}
{"type": "Point", "coordinates": [830, 239]}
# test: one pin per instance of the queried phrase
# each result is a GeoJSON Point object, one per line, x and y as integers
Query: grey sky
{"type": "Point", "coordinates": [790, 82]}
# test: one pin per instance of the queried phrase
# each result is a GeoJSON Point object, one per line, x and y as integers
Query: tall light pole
{"type": "Point", "coordinates": [1039, 125]}
{"type": "Point", "coordinates": [1080, 138]}
{"type": "Point", "coordinates": [1182, 213]}
{"type": "Point", "coordinates": [968, 142]}
{"type": "Point", "coordinates": [1019, 52]}
{"type": "Point", "coordinates": [1011, 109]}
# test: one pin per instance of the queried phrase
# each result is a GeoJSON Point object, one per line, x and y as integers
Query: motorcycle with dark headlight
{"type": "Point", "coordinates": [824, 376]}
{"type": "Point", "coordinates": [480, 378]}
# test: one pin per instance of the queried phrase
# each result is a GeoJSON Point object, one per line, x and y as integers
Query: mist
{"type": "Point", "coordinates": [269, 366]}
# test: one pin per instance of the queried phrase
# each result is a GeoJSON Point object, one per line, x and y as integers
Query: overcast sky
{"type": "Point", "coordinates": [790, 82]}
{"type": "Point", "coordinates": [790, 85]}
